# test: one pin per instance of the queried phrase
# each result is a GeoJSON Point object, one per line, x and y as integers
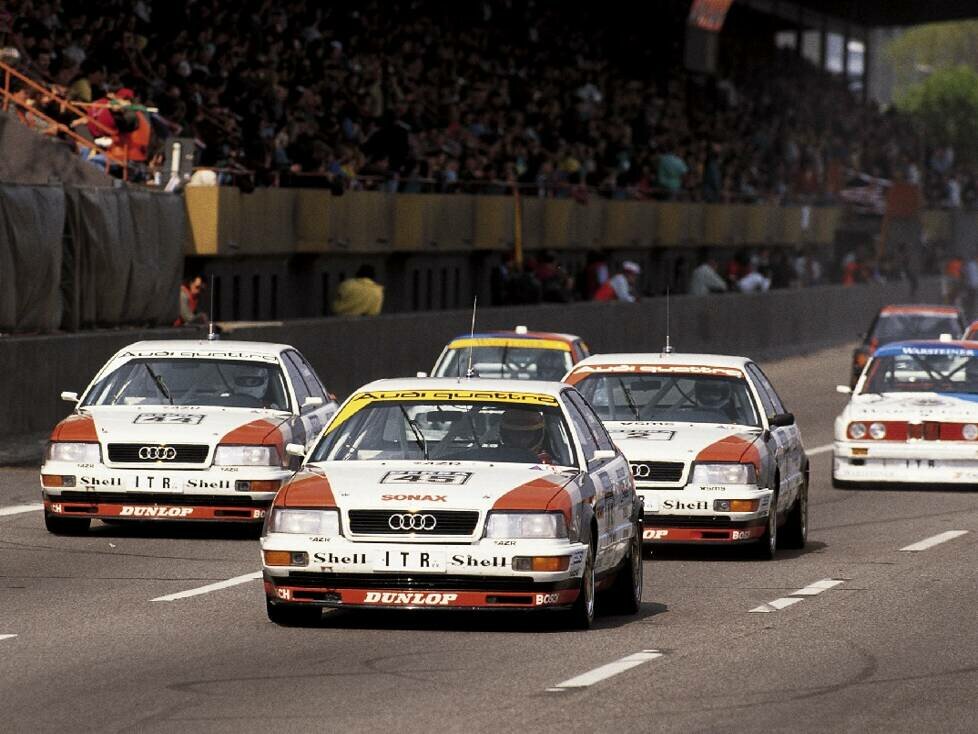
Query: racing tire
{"type": "Point", "coordinates": [581, 615]}
{"type": "Point", "coordinates": [794, 534]}
{"type": "Point", "coordinates": [767, 545]}
{"type": "Point", "coordinates": [293, 615]}
{"type": "Point", "coordinates": [58, 525]}
{"type": "Point", "coordinates": [625, 595]}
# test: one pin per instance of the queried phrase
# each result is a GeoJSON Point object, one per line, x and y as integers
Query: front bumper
{"type": "Point", "coordinates": [341, 573]}
{"type": "Point", "coordinates": [153, 494]}
{"type": "Point", "coordinates": [917, 462]}
{"type": "Point", "coordinates": [688, 515]}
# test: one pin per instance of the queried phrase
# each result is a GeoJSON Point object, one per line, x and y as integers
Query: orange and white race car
{"type": "Point", "coordinates": [518, 355]}
{"type": "Point", "coordinates": [716, 456]}
{"type": "Point", "coordinates": [182, 430]}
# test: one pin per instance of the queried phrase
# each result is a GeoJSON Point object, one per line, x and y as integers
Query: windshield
{"type": "Point", "coordinates": [942, 373]}
{"type": "Point", "coordinates": [518, 363]}
{"type": "Point", "coordinates": [670, 397]}
{"type": "Point", "coordinates": [476, 431]}
{"type": "Point", "coordinates": [914, 326]}
{"type": "Point", "coordinates": [217, 382]}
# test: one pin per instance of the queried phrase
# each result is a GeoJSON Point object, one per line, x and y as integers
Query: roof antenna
{"type": "Point", "coordinates": [212, 333]}
{"type": "Point", "coordinates": [668, 348]}
{"type": "Point", "coordinates": [469, 372]}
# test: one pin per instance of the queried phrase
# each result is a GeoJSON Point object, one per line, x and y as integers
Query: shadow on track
{"type": "Point", "coordinates": [727, 554]}
{"type": "Point", "coordinates": [175, 530]}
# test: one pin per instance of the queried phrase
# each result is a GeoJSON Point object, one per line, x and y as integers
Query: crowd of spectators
{"type": "Point", "coordinates": [422, 95]}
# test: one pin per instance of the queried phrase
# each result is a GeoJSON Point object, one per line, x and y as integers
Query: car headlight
{"type": "Point", "coordinates": [877, 431]}
{"type": "Point", "coordinates": [79, 453]}
{"type": "Point", "coordinates": [723, 474]}
{"type": "Point", "coordinates": [324, 523]}
{"type": "Point", "coordinates": [246, 456]}
{"type": "Point", "coordinates": [526, 525]}
{"type": "Point", "coordinates": [857, 431]}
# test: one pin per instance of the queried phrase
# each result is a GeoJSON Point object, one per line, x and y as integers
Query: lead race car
{"type": "Point", "coordinates": [912, 417]}
{"type": "Point", "coordinates": [461, 494]}
{"type": "Point", "coordinates": [716, 456]}
{"type": "Point", "coordinates": [182, 430]}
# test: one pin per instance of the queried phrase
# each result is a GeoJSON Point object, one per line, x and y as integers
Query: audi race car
{"type": "Point", "coordinates": [457, 494]}
{"type": "Point", "coordinates": [517, 354]}
{"type": "Point", "coordinates": [716, 456]}
{"type": "Point", "coordinates": [899, 323]}
{"type": "Point", "coordinates": [182, 430]}
{"type": "Point", "coordinates": [912, 418]}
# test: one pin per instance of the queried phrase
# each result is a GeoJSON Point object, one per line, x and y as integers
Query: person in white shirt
{"type": "Point", "coordinates": [753, 282]}
{"type": "Point", "coordinates": [705, 279]}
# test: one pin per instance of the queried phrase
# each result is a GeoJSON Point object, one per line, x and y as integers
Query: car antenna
{"type": "Point", "coordinates": [212, 334]}
{"type": "Point", "coordinates": [475, 305]}
{"type": "Point", "coordinates": [668, 348]}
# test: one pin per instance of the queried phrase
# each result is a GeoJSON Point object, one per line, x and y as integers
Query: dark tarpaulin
{"type": "Point", "coordinates": [31, 230]}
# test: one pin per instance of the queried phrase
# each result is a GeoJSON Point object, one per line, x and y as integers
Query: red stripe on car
{"type": "Point", "coordinates": [308, 489]}
{"type": "Point", "coordinates": [75, 428]}
{"type": "Point", "coordinates": [540, 495]}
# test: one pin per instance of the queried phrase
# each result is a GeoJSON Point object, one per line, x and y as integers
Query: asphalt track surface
{"type": "Point", "coordinates": [882, 639]}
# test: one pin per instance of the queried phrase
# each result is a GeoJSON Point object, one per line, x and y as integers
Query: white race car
{"type": "Point", "coordinates": [912, 417]}
{"type": "Point", "coordinates": [461, 494]}
{"type": "Point", "coordinates": [182, 430]}
{"type": "Point", "coordinates": [716, 456]}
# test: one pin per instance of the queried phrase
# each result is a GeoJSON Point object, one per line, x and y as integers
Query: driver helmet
{"type": "Point", "coordinates": [522, 428]}
{"type": "Point", "coordinates": [712, 393]}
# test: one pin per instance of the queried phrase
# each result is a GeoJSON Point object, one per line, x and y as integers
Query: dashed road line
{"type": "Point", "coordinates": [606, 671]}
{"type": "Point", "coordinates": [18, 509]}
{"type": "Point", "coordinates": [935, 540]}
{"type": "Point", "coordinates": [819, 449]}
{"type": "Point", "coordinates": [237, 580]}
{"type": "Point", "coordinates": [813, 589]}
{"type": "Point", "coordinates": [6, 637]}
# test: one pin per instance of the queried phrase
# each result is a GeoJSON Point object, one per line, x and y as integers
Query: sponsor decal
{"type": "Point", "coordinates": [740, 535]}
{"type": "Point", "coordinates": [258, 514]}
{"type": "Point", "coordinates": [654, 534]}
{"type": "Point", "coordinates": [511, 343]}
{"type": "Point", "coordinates": [156, 511]}
{"type": "Point", "coordinates": [682, 505]}
{"type": "Point", "coordinates": [414, 498]}
{"type": "Point", "coordinates": [335, 559]}
{"type": "Point", "coordinates": [100, 481]}
{"type": "Point", "coordinates": [169, 419]}
{"type": "Point", "coordinates": [505, 542]}
{"type": "Point", "coordinates": [284, 594]}
{"type": "Point", "coordinates": [544, 599]}
{"type": "Point", "coordinates": [462, 559]}
{"type": "Point", "coordinates": [191, 354]}
{"type": "Point", "coordinates": [688, 369]}
{"type": "Point", "coordinates": [399, 598]}
{"type": "Point", "coordinates": [425, 477]}
{"type": "Point", "coordinates": [712, 488]}
{"type": "Point", "coordinates": [57, 508]}
{"type": "Point", "coordinates": [643, 434]}
{"type": "Point", "coordinates": [209, 484]}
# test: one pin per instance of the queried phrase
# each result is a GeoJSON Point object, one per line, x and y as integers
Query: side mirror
{"type": "Point", "coordinates": [603, 454]}
{"type": "Point", "coordinates": [295, 449]}
{"type": "Point", "coordinates": [70, 397]}
{"type": "Point", "coordinates": [782, 419]}
{"type": "Point", "coordinates": [844, 389]}
{"type": "Point", "coordinates": [421, 374]}
{"type": "Point", "coordinates": [312, 401]}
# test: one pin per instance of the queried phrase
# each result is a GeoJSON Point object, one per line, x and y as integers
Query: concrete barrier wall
{"type": "Point", "coordinates": [348, 352]}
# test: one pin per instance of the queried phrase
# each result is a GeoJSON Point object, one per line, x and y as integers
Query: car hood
{"type": "Point", "coordinates": [913, 406]}
{"type": "Point", "coordinates": [668, 441]}
{"type": "Point", "coordinates": [427, 485]}
{"type": "Point", "coordinates": [169, 424]}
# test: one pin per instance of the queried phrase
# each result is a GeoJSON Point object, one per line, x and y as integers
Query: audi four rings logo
{"type": "Point", "coordinates": [411, 522]}
{"type": "Point", "coordinates": [641, 471]}
{"type": "Point", "coordinates": [157, 453]}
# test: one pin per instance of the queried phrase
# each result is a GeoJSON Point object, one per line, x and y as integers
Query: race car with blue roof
{"type": "Point", "coordinates": [182, 430]}
{"type": "Point", "coordinates": [912, 417]}
{"type": "Point", "coordinates": [457, 494]}
{"type": "Point", "coordinates": [518, 354]}
{"type": "Point", "coordinates": [717, 458]}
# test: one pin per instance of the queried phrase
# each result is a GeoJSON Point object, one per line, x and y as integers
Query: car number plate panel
{"type": "Point", "coordinates": [417, 561]}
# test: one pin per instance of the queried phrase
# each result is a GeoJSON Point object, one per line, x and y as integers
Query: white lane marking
{"type": "Point", "coordinates": [6, 637]}
{"type": "Point", "coordinates": [935, 540]}
{"type": "Point", "coordinates": [773, 606]}
{"type": "Point", "coordinates": [607, 671]}
{"type": "Point", "coordinates": [17, 509]}
{"type": "Point", "coordinates": [210, 587]}
{"type": "Point", "coordinates": [818, 587]}
{"type": "Point", "coordinates": [820, 449]}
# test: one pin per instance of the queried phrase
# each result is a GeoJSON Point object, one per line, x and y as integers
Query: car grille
{"type": "Point", "coordinates": [186, 453]}
{"type": "Point", "coordinates": [162, 498]}
{"type": "Point", "coordinates": [446, 522]}
{"type": "Point", "coordinates": [657, 471]}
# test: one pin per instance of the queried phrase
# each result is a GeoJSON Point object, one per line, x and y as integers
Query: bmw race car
{"type": "Point", "coordinates": [182, 430]}
{"type": "Point", "coordinates": [456, 494]}
{"type": "Point", "coordinates": [716, 456]}
{"type": "Point", "coordinates": [517, 354]}
{"type": "Point", "coordinates": [912, 418]}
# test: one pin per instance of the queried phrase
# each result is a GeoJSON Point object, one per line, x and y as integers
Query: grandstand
{"type": "Point", "coordinates": [755, 134]}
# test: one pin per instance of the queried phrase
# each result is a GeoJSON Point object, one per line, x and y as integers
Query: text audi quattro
{"type": "Point", "coordinates": [462, 494]}
{"type": "Point", "coordinates": [517, 355]}
{"type": "Point", "coordinates": [912, 418]}
{"type": "Point", "coordinates": [716, 456]}
{"type": "Point", "coordinates": [182, 430]}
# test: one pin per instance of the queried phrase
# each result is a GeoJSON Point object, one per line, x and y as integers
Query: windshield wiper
{"type": "Point", "coordinates": [159, 383]}
{"type": "Point", "coordinates": [628, 397]}
{"type": "Point", "coordinates": [418, 435]}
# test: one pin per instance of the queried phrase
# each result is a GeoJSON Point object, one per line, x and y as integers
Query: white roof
{"type": "Point", "coordinates": [475, 384]}
{"type": "Point", "coordinates": [674, 358]}
{"type": "Point", "coordinates": [203, 347]}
